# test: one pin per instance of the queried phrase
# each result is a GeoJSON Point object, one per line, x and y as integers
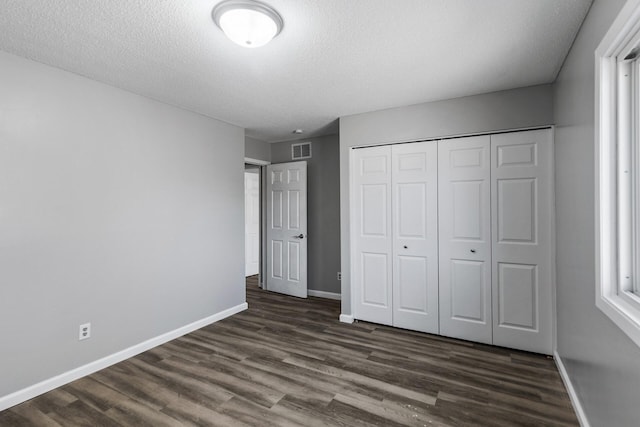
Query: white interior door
{"type": "Point", "coordinates": [415, 236]}
{"type": "Point", "coordinates": [287, 228]}
{"type": "Point", "coordinates": [465, 238]}
{"type": "Point", "coordinates": [521, 215]}
{"type": "Point", "coordinates": [371, 232]}
{"type": "Point", "coordinates": [252, 222]}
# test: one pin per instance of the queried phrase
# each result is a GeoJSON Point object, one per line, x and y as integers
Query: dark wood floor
{"type": "Point", "coordinates": [287, 362]}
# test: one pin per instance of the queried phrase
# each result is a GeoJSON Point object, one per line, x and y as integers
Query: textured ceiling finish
{"type": "Point", "coordinates": [333, 57]}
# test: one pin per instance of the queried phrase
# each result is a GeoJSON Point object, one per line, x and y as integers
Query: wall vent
{"type": "Point", "coordinates": [301, 151]}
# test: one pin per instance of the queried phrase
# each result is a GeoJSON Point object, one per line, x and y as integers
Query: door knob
{"type": "Point", "coordinates": [473, 251]}
{"type": "Point", "coordinates": [299, 236]}
{"type": "Point", "coordinates": [406, 247]}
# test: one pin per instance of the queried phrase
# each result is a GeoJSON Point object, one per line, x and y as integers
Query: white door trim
{"type": "Point", "coordinates": [256, 162]}
{"type": "Point", "coordinates": [263, 215]}
{"type": "Point", "coordinates": [252, 222]}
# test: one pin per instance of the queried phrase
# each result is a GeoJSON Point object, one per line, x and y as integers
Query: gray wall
{"type": "Point", "coordinates": [114, 209]}
{"type": "Point", "coordinates": [602, 362]}
{"type": "Point", "coordinates": [518, 108]}
{"type": "Point", "coordinates": [323, 209]}
{"type": "Point", "coordinates": [256, 149]}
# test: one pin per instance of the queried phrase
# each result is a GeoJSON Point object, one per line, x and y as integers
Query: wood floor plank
{"type": "Point", "coordinates": [280, 382]}
{"type": "Point", "coordinates": [181, 380]}
{"type": "Point", "coordinates": [33, 416]}
{"type": "Point", "coordinates": [316, 379]}
{"type": "Point", "coordinates": [79, 413]}
{"type": "Point", "coordinates": [130, 413]}
{"type": "Point", "coordinates": [290, 362]}
{"type": "Point", "coordinates": [255, 415]}
{"type": "Point", "coordinates": [189, 413]}
{"type": "Point", "coordinates": [358, 417]}
{"type": "Point", "coordinates": [304, 413]}
{"type": "Point", "coordinates": [95, 394]}
{"type": "Point", "coordinates": [402, 414]}
{"type": "Point", "coordinates": [51, 401]}
{"type": "Point", "coordinates": [14, 419]}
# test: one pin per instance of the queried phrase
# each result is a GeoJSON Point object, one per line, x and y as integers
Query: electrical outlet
{"type": "Point", "coordinates": [339, 275]}
{"type": "Point", "coordinates": [84, 332]}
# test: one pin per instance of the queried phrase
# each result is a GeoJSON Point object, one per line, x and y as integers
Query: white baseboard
{"type": "Point", "coordinates": [74, 374]}
{"type": "Point", "coordinates": [577, 406]}
{"type": "Point", "coordinates": [323, 294]}
{"type": "Point", "coordinates": [346, 318]}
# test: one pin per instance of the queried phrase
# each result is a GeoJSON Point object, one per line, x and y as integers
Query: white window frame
{"type": "Point", "coordinates": [617, 163]}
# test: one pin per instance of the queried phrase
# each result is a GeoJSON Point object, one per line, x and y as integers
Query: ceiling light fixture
{"type": "Point", "coordinates": [247, 22]}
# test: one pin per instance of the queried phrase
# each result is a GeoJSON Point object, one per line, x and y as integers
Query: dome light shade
{"type": "Point", "coordinates": [246, 22]}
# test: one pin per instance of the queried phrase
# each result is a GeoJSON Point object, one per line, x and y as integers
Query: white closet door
{"type": "Point", "coordinates": [372, 240]}
{"type": "Point", "coordinates": [521, 215]}
{"type": "Point", "coordinates": [415, 236]}
{"type": "Point", "coordinates": [465, 238]}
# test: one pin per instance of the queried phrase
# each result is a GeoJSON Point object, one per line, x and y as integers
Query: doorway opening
{"type": "Point", "coordinates": [254, 219]}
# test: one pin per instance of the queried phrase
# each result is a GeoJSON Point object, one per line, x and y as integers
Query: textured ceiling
{"type": "Point", "coordinates": [333, 57]}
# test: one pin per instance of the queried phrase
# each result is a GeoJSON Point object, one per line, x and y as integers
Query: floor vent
{"type": "Point", "coordinates": [301, 151]}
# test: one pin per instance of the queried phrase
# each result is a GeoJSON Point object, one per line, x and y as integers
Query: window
{"type": "Point", "coordinates": [618, 171]}
{"type": "Point", "coordinates": [628, 172]}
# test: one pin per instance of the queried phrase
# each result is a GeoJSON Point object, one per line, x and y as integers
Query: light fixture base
{"type": "Point", "coordinates": [241, 29]}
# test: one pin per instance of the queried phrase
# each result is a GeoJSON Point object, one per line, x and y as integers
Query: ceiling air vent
{"type": "Point", "coordinates": [301, 151]}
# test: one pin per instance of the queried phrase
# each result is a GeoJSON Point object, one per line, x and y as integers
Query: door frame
{"type": "Point", "coordinates": [252, 220]}
{"type": "Point", "coordinates": [263, 217]}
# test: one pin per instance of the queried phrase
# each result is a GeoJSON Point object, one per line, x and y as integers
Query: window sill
{"type": "Point", "coordinates": [623, 313]}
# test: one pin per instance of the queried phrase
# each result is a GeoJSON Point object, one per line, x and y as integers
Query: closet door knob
{"type": "Point", "coordinates": [473, 251]}
{"type": "Point", "coordinates": [406, 247]}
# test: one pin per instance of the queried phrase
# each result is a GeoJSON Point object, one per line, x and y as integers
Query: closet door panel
{"type": "Point", "coordinates": [516, 210]}
{"type": "Point", "coordinates": [466, 210]}
{"type": "Point", "coordinates": [517, 289]}
{"type": "Point", "coordinates": [372, 235]}
{"type": "Point", "coordinates": [415, 236]}
{"type": "Point", "coordinates": [411, 296]}
{"type": "Point", "coordinates": [521, 215]}
{"type": "Point", "coordinates": [467, 289]}
{"type": "Point", "coordinates": [464, 195]}
{"type": "Point", "coordinates": [375, 289]}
